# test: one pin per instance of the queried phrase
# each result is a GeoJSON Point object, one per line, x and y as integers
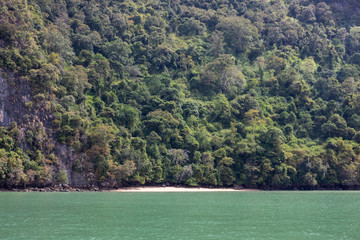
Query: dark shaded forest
{"type": "Point", "coordinates": [110, 93]}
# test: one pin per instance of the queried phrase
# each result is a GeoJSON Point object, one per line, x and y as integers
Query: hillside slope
{"type": "Point", "coordinates": [111, 93]}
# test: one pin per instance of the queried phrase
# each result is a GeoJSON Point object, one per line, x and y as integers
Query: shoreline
{"type": "Point", "coordinates": [130, 189]}
{"type": "Point", "coordinates": [170, 188]}
{"type": "Point", "coordinates": [180, 189]}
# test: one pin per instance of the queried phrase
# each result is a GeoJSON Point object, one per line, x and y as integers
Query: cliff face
{"type": "Point", "coordinates": [4, 94]}
{"type": "Point", "coordinates": [14, 94]}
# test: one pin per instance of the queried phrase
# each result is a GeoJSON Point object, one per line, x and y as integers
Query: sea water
{"type": "Point", "coordinates": [211, 215]}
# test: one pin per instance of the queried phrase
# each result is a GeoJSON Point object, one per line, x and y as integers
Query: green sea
{"type": "Point", "coordinates": [210, 215]}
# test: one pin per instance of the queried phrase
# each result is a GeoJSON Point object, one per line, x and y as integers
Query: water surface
{"type": "Point", "coordinates": [214, 215]}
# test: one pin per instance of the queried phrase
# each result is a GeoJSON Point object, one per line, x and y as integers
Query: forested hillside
{"type": "Point", "coordinates": [109, 93]}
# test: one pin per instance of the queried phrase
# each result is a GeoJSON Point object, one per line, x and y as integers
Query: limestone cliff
{"type": "Point", "coordinates": [14, 95]}
{"type": "Point", "coordinates": [32, 116]}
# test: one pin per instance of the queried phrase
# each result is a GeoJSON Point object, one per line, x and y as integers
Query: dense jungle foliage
{"type": "Point", "coordinates": [261, 93]}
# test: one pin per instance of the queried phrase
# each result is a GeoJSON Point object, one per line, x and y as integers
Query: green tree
{"type": "Point", "coordinates": [239, 33]}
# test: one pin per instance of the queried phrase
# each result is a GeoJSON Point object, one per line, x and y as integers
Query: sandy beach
{"type": "Point", "coordinates": [179, 189]}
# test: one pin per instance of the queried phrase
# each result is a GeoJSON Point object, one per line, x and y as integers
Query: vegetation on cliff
{"type": "Point", "coordinates": [255, 92]}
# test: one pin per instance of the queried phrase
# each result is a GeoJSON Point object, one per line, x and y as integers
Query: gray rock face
{"type": "Point", "coordinates": [13, 95]}
{"type": "Point", "coordinates": [15, 92]}
{"type": "Point", "coordinates": [4, 97]}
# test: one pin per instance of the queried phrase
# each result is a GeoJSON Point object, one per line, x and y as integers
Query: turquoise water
{"type": "Point", "coordinates": [214, 215]}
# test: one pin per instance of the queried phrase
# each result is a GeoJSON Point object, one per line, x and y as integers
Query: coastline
{"type": "Point", "coordinates": [172, 188]}
{"type": "Point", "coordinates": [180, 189]}
{"type": "Point", "coordinates": [131, 189]}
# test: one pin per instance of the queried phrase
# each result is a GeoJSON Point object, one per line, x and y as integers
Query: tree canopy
{"type": "Point", "coordinates": [112, 93]}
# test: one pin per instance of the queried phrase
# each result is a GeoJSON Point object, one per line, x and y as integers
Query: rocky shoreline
{"type": "Point", "coordinates": [122, 189]}
{"type": "Point", "coordinates": [168, 186]}
{"type": "Point", "coordinates": [53, 189]}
